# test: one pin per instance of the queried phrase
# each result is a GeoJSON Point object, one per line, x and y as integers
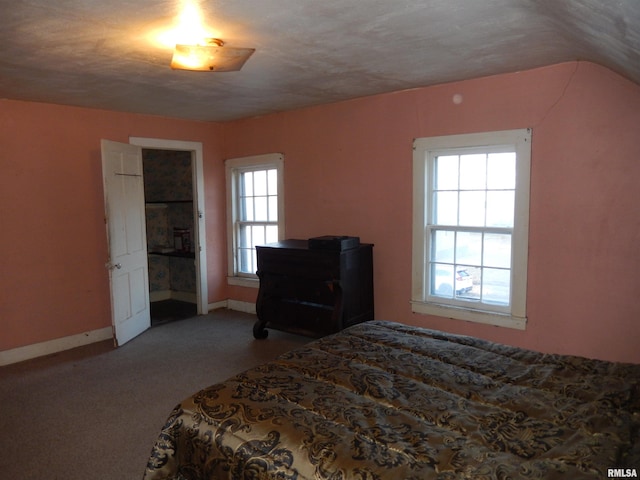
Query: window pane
{"type": "Point", "coordinates": [500, 208]}
{"type": "Point", "coordinates": [245, 236]}
{"type": "Point", "coordinates": [254, 261]}
{"type": "Point", "coordinates": [260, 182]}
{"type": "Point", "coordinates": [446, 172]}
{"type": "Point", "coordinates": [245, 260]}
{"type": "Point", "coordinates": [443, 246]}
{"type": "Point", "coordinates": [446, 208]}
{"type": "Point", "coordinates": [271, 234]}
{"type": "Point", "coordinates": [261, 213]}
{"type": "Point", "coordinates": [469, 248]}
{"type": "Point", "coordinates": [472, 208]}
{"type": "Point", "coordinates": [258, 236]}
{"type": "Point", "coordinates": [497, 250]}
{"type": "Point", "coordinates": [496, 286]}
{"type": "Point", "coordinates": [473, 172]}
{"type": "Point", "coordinates": [466, 279]}
{"type": "Point", "coordinates": [501, 170]}
{"type": "Point", "coordinates": [246, 213]}
{"type": "Point", "coordinates": [442, 280]}
{"type": "Point", "coordinates": [246, 184]}
{"type": "Point", "coordinates": [272, 180]}
{"type": "Point", "coordinates": [273, 209]}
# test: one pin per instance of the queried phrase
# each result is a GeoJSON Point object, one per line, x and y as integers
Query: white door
{"type": "Point", "coordinates": [127, 238]}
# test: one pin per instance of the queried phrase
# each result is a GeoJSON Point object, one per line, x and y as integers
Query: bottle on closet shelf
{"type": "Point", "coordinates": [182, 239]}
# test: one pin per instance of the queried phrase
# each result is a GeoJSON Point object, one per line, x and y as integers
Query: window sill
{"type": "Point", "coordinates": [489, 318]}
{"type": "Point", "coordinates": [244, 282]}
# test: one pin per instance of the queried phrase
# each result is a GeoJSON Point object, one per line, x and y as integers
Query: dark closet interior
{"type": "Point", "coordinates": [168, 188]}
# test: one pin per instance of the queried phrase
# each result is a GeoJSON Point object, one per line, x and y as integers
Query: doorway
{"type": "Point", "coordinates": [169, 213]}
{"type": "Point", "coordinates": [174, 207]}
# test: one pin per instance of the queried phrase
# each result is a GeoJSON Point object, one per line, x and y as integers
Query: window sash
{"type": "Point", "coordinates": [257, 197]}
{"type": "Point", "coordinates": [485, 295]}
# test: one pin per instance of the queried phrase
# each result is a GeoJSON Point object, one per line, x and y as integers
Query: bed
{"type": "Point", "coordinates": [382, 400]}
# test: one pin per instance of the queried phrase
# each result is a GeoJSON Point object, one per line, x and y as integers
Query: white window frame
{"type": "Point", "coordinates": [424, 151]}
{"type": "Point", "coordinates": [233, 168]}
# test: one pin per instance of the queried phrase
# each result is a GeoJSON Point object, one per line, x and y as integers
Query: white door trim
{"type": "Point", "coordinates": [199, 223]}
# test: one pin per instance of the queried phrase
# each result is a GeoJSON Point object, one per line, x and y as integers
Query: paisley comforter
{"type": "Point", "coordinates": [382, 400]}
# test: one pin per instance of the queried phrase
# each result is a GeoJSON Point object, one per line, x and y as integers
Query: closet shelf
{"type": "Point", "coordinates": [175, 254]}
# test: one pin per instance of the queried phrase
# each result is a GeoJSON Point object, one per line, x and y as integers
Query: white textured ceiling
{"type": "Point", "coordinates": [99, 53]}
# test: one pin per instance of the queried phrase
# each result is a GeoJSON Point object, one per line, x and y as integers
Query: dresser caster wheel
{"type": "Point", "coordinates": [259, 332]}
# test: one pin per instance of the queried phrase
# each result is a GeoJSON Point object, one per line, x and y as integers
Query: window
{"type": "Point", "coordinates": [470, 226]}
{"type": "Point", "coordinates": [255, 211]}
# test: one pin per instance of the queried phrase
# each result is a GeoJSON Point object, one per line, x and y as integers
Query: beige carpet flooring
{"type": "Point", "coordinates": [94, 412]}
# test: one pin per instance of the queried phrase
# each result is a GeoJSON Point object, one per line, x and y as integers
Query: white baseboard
{"type": "Point", "coordinates": [247, 307]}
{"type": "Point", "coordinates": [237, 305]}
{"type": "Point", "coordinates": [35, 350]}
{"type": "Point", "coordinates": [217, 305]}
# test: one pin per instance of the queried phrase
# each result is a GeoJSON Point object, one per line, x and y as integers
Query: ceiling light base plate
{"type": "Point", "coordinates": [212, 57]}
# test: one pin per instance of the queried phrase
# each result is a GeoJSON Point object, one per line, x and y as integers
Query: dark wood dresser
{"type": "Point", "coordinates": [313, 291]}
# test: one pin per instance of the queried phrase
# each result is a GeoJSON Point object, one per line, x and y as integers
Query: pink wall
{"type": "Point", "coordinates": [348, 171]}
{"type": "Point", "coordinates": [53, 282]}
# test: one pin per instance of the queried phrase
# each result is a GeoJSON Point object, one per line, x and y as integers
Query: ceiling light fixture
{"type": "Point", "coordinates": [211, 57]}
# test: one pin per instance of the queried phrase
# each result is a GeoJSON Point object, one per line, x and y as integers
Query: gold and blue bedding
{"type": "Point", "coordinates": [382, 400]}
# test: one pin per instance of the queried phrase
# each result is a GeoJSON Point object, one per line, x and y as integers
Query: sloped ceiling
{"type": "Point", "coordinates": [104, 53]}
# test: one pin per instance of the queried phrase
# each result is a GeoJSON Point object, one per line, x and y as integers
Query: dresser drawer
{"type": "Point", "coordinates": [290, 288]}
{"type": "Point", "coordinates": [294, 263]}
